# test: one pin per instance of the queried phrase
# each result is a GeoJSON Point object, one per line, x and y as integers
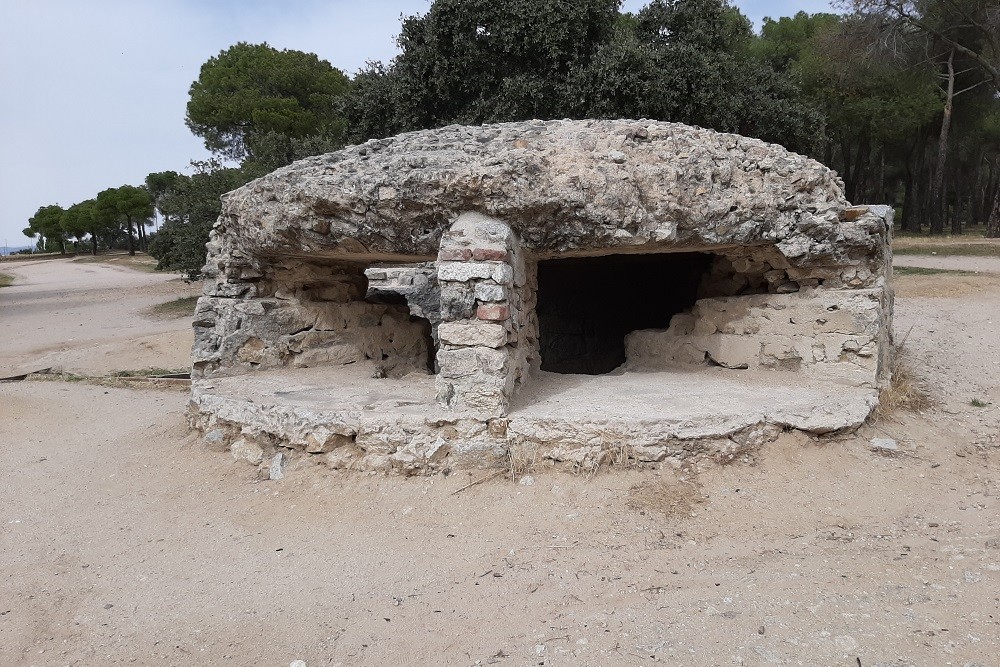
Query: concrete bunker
{"type": "Point", "coordinates": [576, 287]}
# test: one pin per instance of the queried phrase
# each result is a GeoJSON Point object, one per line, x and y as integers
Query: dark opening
{"type": "Point", "coordinates": [587, 305]}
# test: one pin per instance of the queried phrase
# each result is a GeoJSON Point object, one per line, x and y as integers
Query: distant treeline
{"type": "Point", "coordinates": [901, 97]}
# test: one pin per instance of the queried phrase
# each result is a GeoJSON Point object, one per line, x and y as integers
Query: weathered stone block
{"type": "Point", "coordinates": [493, 312]}
{"type": "Point", "coordinates": [454, 255]}
{"type": "Point", "coordinates": [247, 450]}
{"type": "Point", "coordinates": [344, 457]}
{"type": "Point", "coordinates": [503, 274]}
{"type": "Point", "coordinates": [465, 271]}
{"type": "Point", "coordinates": [490, 254]}
{"type": "Point", "coordinates": [323, 441]}
{"type": "Point", "coordinates": [252, 351]}
{"type": "Point", "coordinates": [471, 333]}
{"type": "Point", "coordinates": [470, 361]}
{"type": "Point", "coordinates": [458, 301]}
{"type": "Point", "coordinates": [487, 292]}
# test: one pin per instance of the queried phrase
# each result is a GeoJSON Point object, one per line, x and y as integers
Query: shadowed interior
{"type": "Point", "coordinates": [587, 305]}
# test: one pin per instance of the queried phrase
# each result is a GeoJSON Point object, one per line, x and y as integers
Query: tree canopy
{"type": "Point", "coordinates": [250, 91]}
{"type": "Point", "coordinates": [81, 219]}
{"type": "Point", "coordinates": [124, 207]}
{"type": "Point", "coordinates": [45, 223]}
{"type": "Point", "coordinates": [473, 61]}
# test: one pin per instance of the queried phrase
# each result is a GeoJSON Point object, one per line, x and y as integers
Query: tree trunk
{"type": "Point", "coordinates": [128, 232]}
{"type": "Point", "coordinates": [958, 214]}
{"type": "Point", "coordinates": [910, 222]}
{"type": "Point", "coordinates": [93, 242]}
{"type": "Point", "coordinates": [845, 156]}
{"type": "Point", "coordinates": [991, 189]}
{"type": "Point", "coordinates": [993, 226]}
{"type": "Point", "coordinates": [880, 188]}
{"type": "Point", "coordinates": [937, 185]}
{"type": "Point", "coordinates": [860, 175]}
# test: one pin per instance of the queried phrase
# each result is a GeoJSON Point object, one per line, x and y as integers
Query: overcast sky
{"type": "Point", "coordinates": [93, 93]}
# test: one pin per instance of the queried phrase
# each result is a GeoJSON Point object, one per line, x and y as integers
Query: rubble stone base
{"type": "Point", "coordinates": [386, 427]}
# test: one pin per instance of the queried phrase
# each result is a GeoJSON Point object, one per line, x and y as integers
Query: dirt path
{"type": "Point", "coordinates": [950, 262]}
{"type": "Point", "coordinates": [124, 542]}
{"type": "Point", "coordinates": [88, 318]}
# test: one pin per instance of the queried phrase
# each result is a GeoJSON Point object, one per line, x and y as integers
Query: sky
{"type": "Point", "coordinates": [92, 94]}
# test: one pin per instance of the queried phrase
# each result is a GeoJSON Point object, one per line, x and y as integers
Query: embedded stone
{"type": "Point", "coordinates": [247, 450]}
{"type": "Point", "coordinates": [455, 255]}
{"type": "Point", "coordinates": [465, 271]}
{"type": "Point", "coordinates": [493, 312]}
{"type": "Point", "coordinates": [490, 254]}
{"type": "Point", "coordinates": [503, 274]}
{"type": "Point", "coordinates": [467, 334]}
{"type": "Point", "coordinates": [458, 301]}
{"type": "Point", "coordinates": [486, 292]}
{"type": "Point", "coordinates": [467, 361]}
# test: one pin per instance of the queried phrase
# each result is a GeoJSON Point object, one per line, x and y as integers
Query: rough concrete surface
{"type": "Point", "coordinates": [789, 277]}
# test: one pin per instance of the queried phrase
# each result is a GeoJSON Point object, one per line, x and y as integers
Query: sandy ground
{"type": "Point", "coordinates": [123, 541]}
{"type": "Point", "coordinates": [89, 318]}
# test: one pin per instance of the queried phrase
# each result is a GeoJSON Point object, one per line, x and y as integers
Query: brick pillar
{"type": "Point", "coordinates": [480, 271]}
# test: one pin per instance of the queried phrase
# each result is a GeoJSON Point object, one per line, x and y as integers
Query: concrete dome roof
{"type": "Point", "coordinates": [582, 187]}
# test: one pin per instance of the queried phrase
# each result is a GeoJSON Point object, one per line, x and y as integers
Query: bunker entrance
{"type": "Point", "coordinates": [587, 305]}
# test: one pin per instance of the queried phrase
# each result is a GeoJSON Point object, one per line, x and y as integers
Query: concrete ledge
{"type": "Point", "coordinates": [345, 419]}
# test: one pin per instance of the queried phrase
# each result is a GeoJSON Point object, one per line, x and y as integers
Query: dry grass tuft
{"type": "Point", "coordinates": [622, 456]}
{"type": "Point", "coordinates": [521, 459]}
{"type": "Point", "coordinates": [6, 280]}
{"type": "Point", "coordinates": [905, 391]}
{"type": "Point", "coordinates": [182, 307]}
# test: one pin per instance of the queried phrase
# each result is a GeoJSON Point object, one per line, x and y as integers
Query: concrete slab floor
{"type": "Point", "coordinates": [682, 403]}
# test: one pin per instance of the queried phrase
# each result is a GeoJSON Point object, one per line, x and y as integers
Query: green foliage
{"type": "Point", "coordinates": [82, 219]}
{"type": "Point", "coordinates": [45, 223]}
{"type": "Point", "coordinates": [478, 61]}
{"type": "Point", "coordinates": [251, 90]}
{"type": "Point", "coordinates": [190, 206]}
{"type": "Point", "coordinates": [123, 208]}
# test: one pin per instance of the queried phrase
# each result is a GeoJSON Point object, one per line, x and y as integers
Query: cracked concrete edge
{"type": "Point", "coordinates": [433, 443]}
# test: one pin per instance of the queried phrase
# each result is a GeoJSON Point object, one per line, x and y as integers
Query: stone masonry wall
{"type": "Point", "coordinates": [759, 312]}
{"type": "Point", "coordinates": [488, 327]}
{"type": "Point", "coordinates": [301, 314]}
{"type": "Point", "coordinates": [802, 279]}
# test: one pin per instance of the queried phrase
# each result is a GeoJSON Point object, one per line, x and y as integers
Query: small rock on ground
{"type": "Point", "coordinates": [884, 445]}
{"type": "Point", "coordinates": [277, 469]}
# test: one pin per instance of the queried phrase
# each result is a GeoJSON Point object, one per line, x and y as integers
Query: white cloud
{"type": "Point", "coordinates": [94, 93]}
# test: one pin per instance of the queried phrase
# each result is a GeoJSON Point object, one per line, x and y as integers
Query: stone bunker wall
{"type": "Point", "coordinates": [301, 314]}
{"type": "Point", "coordinates": [758, 312]}
{"type": "Point", "coordinates": [421, 254]}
